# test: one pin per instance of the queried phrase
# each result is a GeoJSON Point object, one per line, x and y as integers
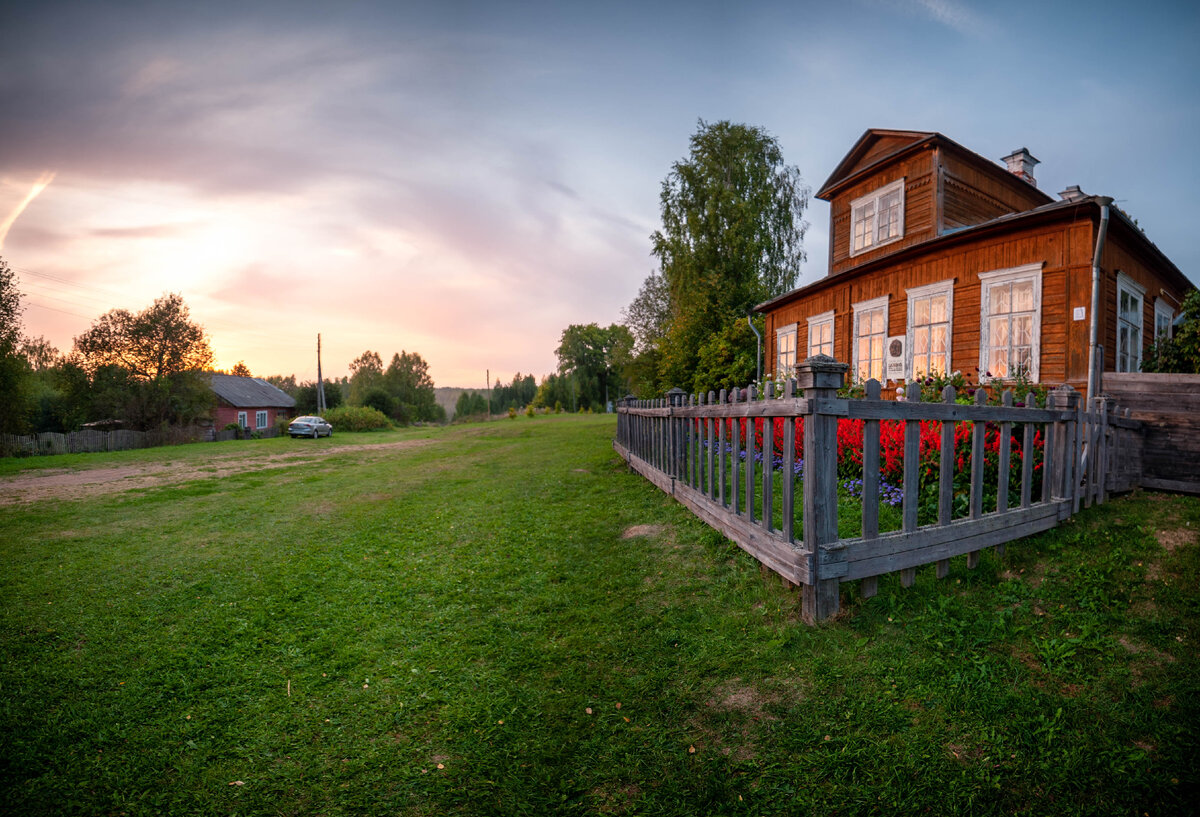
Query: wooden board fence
{"type": "Point", "coordinates": [92, 441]}
{"type": "Point", "coordinates": [1002, 472]}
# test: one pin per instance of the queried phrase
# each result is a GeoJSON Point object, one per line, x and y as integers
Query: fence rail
{"type": "Point", "coordinates": [763, 470]}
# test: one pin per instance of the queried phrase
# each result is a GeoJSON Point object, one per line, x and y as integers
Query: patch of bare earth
{"type": "Point", "coordinates": [749, 704]}
{"type": "Point", "coordinates": [965, 754]}
{"type": "Point", "coordinates": [643, 530]}
{"type": "Point", "coordinates": [1175, 538]}
{"type": "Point", "coordinates": [65, 484]}
{"type": "Point", "coordinates": [617, 799]}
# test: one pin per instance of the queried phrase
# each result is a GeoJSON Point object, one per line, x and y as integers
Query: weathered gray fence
{"type": "Point", "coordinates": [1168, 406]}
{"type": "Point", "coordinates": [694, 447]}
{"type": "Point", "coordinates": [90, 440]}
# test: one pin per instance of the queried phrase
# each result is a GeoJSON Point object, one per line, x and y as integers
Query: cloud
{"type": "Point", "coordinates": [955, 15]}
{"type": "Point", "coordinates": [142, 231]}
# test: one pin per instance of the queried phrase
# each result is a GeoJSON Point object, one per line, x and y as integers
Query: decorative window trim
{"type": "Point", "coordinates": [242, 420]}
{"type": "Point", "coordinates": [1127, 284]}
{"type": "Point", "coordinates": [260, 419]}
{"type": "Point", "coordinates": [1162, 309]}
{"type": "Point", "coordinates": [872, 221]}
{"type": "Point", "coordinates": [859, 309]}
{"type": "Point", "coordinates": [791, 329]}
{"type": "Point", "coordinates": [916, 293]}
{"type": "Point", "coordinates": [816, 322]}
{"type": "Point", "coordinates": [1012, 274]}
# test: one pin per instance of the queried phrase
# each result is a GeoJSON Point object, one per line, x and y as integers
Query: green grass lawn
{"type": "Point", "coordinates": [505, 620]}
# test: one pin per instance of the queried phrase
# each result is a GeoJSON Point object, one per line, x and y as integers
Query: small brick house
{"type": "Point", "coordinates": [251, 402]}
{"type": "Point", "coordinates": [941, 260]}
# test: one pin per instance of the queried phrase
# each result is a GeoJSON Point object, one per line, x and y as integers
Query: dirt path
{"type": "Point", "coordinates": [63, 483]}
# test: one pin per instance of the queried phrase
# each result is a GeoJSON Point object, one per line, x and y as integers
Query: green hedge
{"type": "Point", "coordinates": [357, 418]}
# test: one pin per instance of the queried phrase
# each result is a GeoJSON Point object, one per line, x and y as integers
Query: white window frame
{"type": "Point", "coordinates": [915, 294]}
{"type": "Point", "coordinates": [870, 219]}
{"type": "Point", "coordinates": [260, 419]}
{"type": "Point", "coordinates": [816, 322]}
{"type": "Point", "coordinates": [1127, 285]}
{"type": "Point", "coordinates": [1164, 317]}
{"type": "Point", "coordinates": [1031, 272]}
{"type": "Point", "coordinates": [861, 308]}
{"type": "Point", "coordinates": [781, 369]}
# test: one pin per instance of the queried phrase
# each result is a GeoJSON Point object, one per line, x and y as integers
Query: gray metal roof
{"type": "Point", "coordinates": [249, 392]}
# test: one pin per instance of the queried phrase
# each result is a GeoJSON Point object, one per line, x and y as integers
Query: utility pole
{"type": "Point", "coordinates": [320, 382]}
{"type": "Point", "coordinates": [488, 375]}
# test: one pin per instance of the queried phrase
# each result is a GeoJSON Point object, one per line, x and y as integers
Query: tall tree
{"type": "Point", "coordinates": [594, 356]}
{"type": "Point", "coordinates": [159, 341]}
{"type": "Point", "coordinates": [732, 237]}
{"type": "Point", "coordinates": [14, 368]}
{"type": "Point", "coordinates": [41, 353]}
{"type": "Point", "coordinates": [240, 369]}
{"type": "Point", "coordinates": [407, 380]}
{"type": "Point", "coordinates": [366, 374]}
{"type": "Point", "coordinates": [163, 356]}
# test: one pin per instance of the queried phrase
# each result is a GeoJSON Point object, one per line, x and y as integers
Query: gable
{"type": "Point", "coordinates": [871, 148]}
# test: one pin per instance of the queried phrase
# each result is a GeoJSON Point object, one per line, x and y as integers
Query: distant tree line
{"type": "Point", "coordinates": [477, 403]}
{"type": "Point", "coordinates": [146, 369]}
{"type": "Point", "coordinates": [139, 370]}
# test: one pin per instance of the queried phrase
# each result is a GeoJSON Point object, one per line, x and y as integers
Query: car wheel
{"type": "Point", "coordinates": [316, 434]}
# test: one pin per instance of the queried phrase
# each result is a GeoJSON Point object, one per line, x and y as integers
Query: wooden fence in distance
{"type": "Point", "coordinates": [92, 441]}
{"type": "Point", "coordinates": [691, 447]}
{"type": "Point", "coordinates": [1168, 406]}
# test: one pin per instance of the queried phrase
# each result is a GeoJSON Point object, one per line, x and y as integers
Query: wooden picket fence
{"type": "Point", "coordinates": [691, 446]}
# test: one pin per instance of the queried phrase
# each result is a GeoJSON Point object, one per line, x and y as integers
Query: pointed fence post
{"type": "Point", "coordinates": [675, 398]}
{"type": "Point", "coordinates": [1062, 457]}
{"type": "Point", "coordinates": [820, 377]}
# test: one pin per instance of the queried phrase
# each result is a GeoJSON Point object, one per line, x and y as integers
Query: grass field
{"type": "Point", "coordinates": [502, 619]}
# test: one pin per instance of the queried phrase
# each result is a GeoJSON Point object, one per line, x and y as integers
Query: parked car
{"type": "Point", "coordinates": [310, 427]}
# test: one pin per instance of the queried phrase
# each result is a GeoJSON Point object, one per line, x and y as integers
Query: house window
{"type": "Point", "coordinates": [877, 218]}
{"type": "Point", "coordinates": [242, 419]}
{"type": "Point", "coordinates": [1130, 296]}
{"type": "Point", "coordinates": [820, 334]}
{"type": "Point", "coordinates": [870, 335]}
{"type": "Point", "coordinates": [260, 419]}
{"type": "Point", "coordinates": [785, 351]}
{"type": "Point", "coordinates": [929, 311]}
{"type": "Point", "coordinates": [1011, 328]}
{"type": "Point", "coordinates": [1164, 316]}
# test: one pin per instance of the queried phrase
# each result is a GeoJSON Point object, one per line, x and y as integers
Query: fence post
{"type": "Point", "coordinates": [675, 398]}
{"type": "Point", "coordinates": [1064, 398]}
{"type": "Point", "coordinates": [820, 377]}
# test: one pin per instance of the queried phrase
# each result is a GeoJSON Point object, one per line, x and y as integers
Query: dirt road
{"type": "Point", "coordinates": [69, 483]}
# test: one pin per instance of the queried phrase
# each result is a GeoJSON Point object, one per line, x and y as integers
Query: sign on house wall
{"type": "Point", "coordinates": [894, 363]}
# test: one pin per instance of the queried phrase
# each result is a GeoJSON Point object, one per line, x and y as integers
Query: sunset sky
{"type": "Point", "coordinates": [465, 179]}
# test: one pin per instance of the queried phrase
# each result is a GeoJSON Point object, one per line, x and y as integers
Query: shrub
{"type": "Point", "coordinates": [357, 418]}
{"type": "Point", "coordinates": [530, 411]}
{"type": "Point", "coordinates": [512, 412]}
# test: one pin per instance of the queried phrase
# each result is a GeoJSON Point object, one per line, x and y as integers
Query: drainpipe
{"type": "Point", "coordinates": [1093, 383]}
{"type": "Point", "coordinates": [757, 351]}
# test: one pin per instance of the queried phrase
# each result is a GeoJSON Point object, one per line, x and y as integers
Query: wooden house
{"type": "Point", "coordinates": [251, 402]}
{"type": "Point", "coordinates": [941, 260]}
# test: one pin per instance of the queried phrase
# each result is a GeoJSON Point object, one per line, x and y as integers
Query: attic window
{"type": "Point", "coordinates": [877, 218]}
